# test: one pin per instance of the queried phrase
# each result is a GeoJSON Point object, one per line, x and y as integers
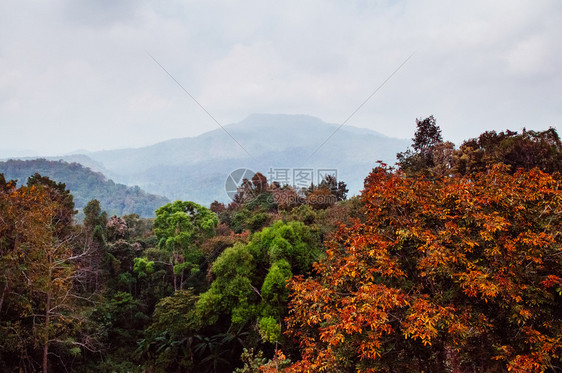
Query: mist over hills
{"type": "Point", "coordinates": [196, 168]}
{"type": "Point", "coordinates": [259, 134]}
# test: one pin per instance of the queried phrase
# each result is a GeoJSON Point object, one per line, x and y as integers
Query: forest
{"type": "Point", "coordinates": [449, 261]}
{"type": "Point", "coordinates": [85, 185]}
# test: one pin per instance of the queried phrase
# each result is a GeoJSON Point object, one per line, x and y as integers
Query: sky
{"type": "Point", "coordinates": [78, 75]}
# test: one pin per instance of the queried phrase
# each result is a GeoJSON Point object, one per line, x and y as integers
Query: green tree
{"type": "Point", "coordinates": [92, 268]}
{"type": "Point", "coordinates": [421, 157]}
{"type": "Point", "coordinates": [248, 287]}
{"type": "Point", "coordinates": [180, 228]}
{"type": "Point", "coordinates": [169, 339]}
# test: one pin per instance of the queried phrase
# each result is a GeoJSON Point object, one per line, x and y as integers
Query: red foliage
{"type": "Point", "coordinates": [457, 274]}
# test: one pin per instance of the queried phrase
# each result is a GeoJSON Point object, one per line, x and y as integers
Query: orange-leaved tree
{"type": "Point", "coordinates": [39, 314]}
{"type": "Point", "coordinates": [459, 274]}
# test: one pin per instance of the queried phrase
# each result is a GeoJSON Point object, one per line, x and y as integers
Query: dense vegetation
{"type": "Point", "coordinates": [85, 185]}
{"type": "Point", "coordinates": [450, 263]}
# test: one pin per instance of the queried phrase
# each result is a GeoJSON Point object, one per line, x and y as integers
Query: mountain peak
{"type": "Point", "coordinates": [280, 120]}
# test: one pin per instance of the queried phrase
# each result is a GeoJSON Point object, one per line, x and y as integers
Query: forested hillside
{"type": "Point", "coordinates": [85, 185]}
{"type": "Point", "coordinates": [450, 262]}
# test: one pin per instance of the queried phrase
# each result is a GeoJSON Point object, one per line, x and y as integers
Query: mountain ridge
{"type": "Point", "coordinates": [195, 168]}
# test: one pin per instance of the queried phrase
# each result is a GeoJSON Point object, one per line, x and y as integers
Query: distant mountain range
{"type": "Point", "coordinates": [196, 168]}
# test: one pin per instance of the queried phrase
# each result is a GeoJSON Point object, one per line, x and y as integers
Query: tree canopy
{"type": "Point", "coordinates": [450, 262]}
{"type": "Point", "coordinates": [460, 273]}
{"type": "Point", "coordinates": [180, 228]}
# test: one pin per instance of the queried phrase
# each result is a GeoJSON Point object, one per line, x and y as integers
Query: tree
{"type": "Point", "coordinates": [320, 198]}
{"type": "Point", "coordinates": [39, 306]}
{"type": "Point", "coordinates": [527, 150]}
{"type": "Point", "coordinates": [180, 228]}
{"type": "Point", "coordinates": [327, 193]}
{"type": "Point", "coordinates": [454, 274]}
{"type": "Point", "coordinates": [259, 183]}
{"type": "Point", "coordinates": [169, 340]}
{"type": "Point", "coordinates": [421, 157]}
{"type": "Point", "coordinates": [95, 241]}
{"type": "Point", "coordinates": [248, 289]}
{"type": "Point", "coordinates": [337, 188]}
{"type": "Point", "coordinates": [427, 136]}
{"type": "Point", "coordinates": [287, 198]}
{"type": "Point", "coordinates": [57, 192]}
{"type": "Point", "coordinates": [116, 228]}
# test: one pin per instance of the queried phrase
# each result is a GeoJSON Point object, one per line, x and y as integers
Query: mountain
{"type": "Point", "coordinates": [196, 168]}
{"type": "Point", "coordinates": [85, 185]}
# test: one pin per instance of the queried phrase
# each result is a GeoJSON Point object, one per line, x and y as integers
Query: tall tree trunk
{"type": "Point", "coordinates": [47, 322]}
{"type": "Point", "coordinates": [181, 280]}
{"type": "Point", "coordinates": [174, 278]}
{"type": "Point", "coordinates": [3, 293]}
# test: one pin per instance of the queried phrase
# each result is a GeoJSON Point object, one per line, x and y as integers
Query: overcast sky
{"type": "Point", "coordinates": [77, 74]}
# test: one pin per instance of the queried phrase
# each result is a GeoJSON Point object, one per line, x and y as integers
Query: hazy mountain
{"type": "Point", "coordinates": [196, 168]}
{"type": "Point", "coordinates": [85, 185]}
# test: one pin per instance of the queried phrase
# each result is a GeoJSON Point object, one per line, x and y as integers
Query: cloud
{"type": "Point", "coordinates": [531, 57]}
{"type": "Point", "coordinates": [78, 73]}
